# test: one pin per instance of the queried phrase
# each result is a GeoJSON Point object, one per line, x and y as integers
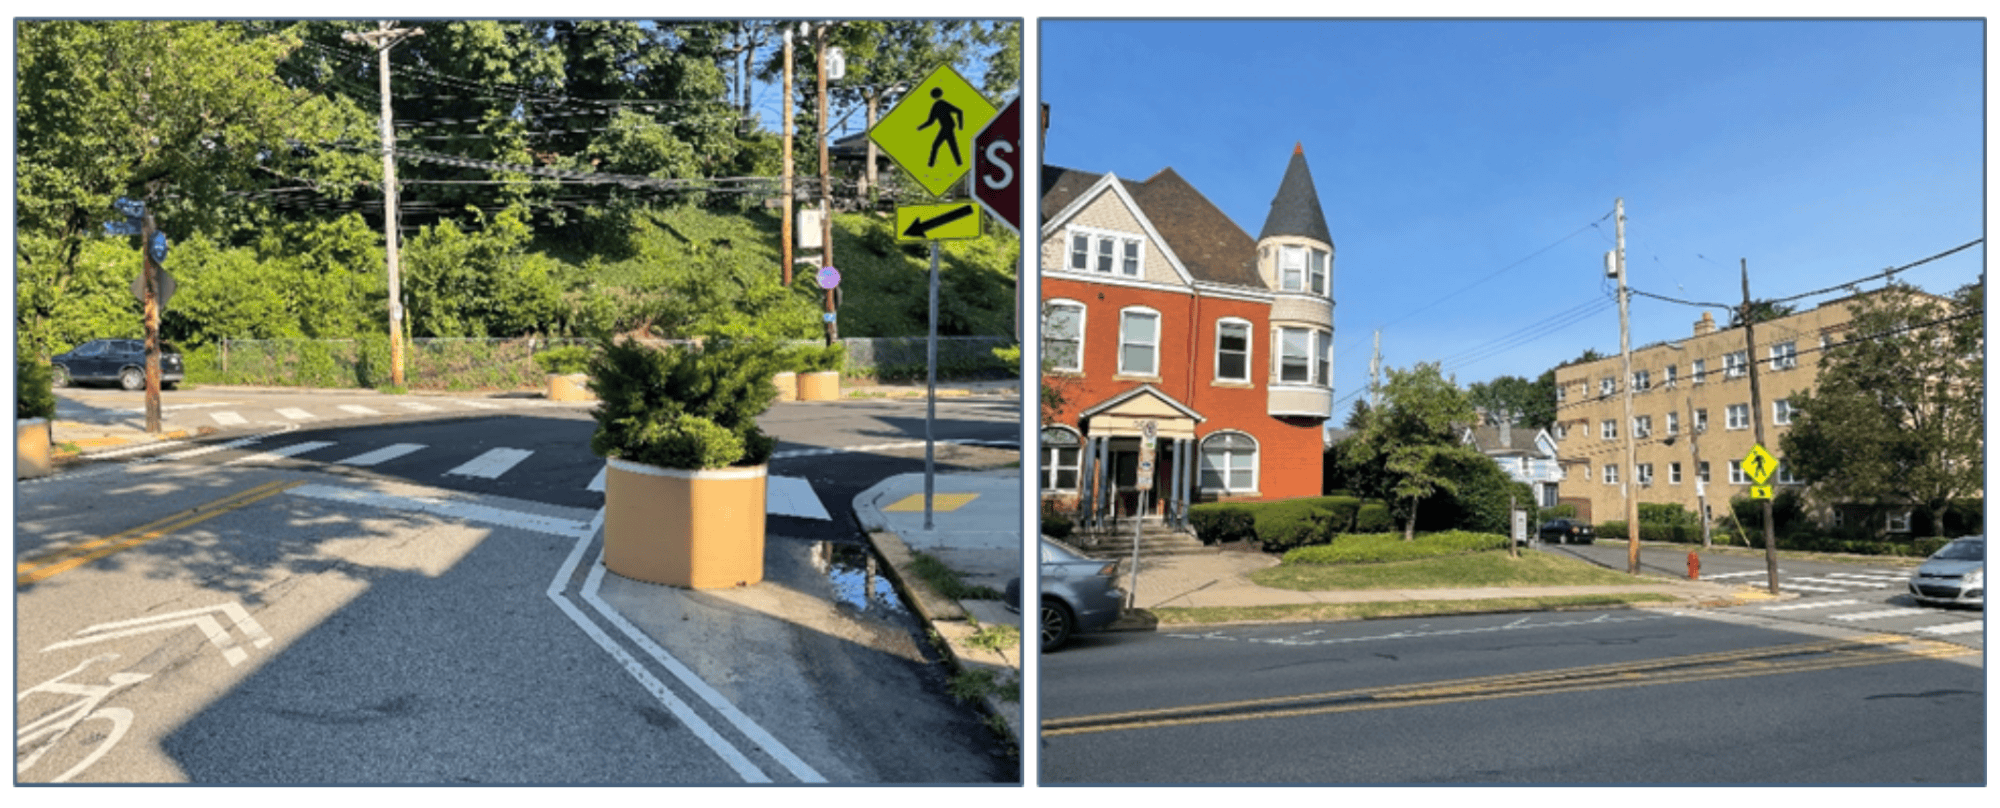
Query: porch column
{"type": "Point", "coordinates": [1085, 482]}
{"type": "Point", "coordinates": [1184, 487]}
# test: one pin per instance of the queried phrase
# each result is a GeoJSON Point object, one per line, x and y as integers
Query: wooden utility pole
{"type": "Point", "coordinates": [382, 39]}
{"type": "Point", "coordinates": [1700, 488]}
{"type": "Point", "coordinates": [150, 270]}
{"type": "Point", "coordinates": [1626, 479]}
{"type": "Point", "coordinates": [1375, 373]}
{"type": "Point", "coordinates": [785, 220]}
{"type": "Point", "coordinates": [1757, 423]}
{"type": "Point", "coordinates": [825, 185]}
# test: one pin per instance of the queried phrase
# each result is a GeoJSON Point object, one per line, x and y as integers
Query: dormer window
{"type": "Point", "coordinates": [1106, 252]}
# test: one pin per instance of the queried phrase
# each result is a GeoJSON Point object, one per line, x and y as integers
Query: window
{"type": "Point", "coordinates": [1062, 335]}
{"type": "Point", "coordinates": [1079, 252]}
{"type": "Point", "coordinates": [1642, 426]}
{"type": "Point", "coordinates": [1304, 355]}
{"type": "Point", "coordinates": [1608, 429]}
{"type": "Point", "coordinates": [1670, 374]}
{"type": "Point", "coordinates": [1784, 356]}
{"type": "Point", "coordinates": [1700, 421]}
{"type": "Point", "coordinates": [1562, 431]}
{"type": "Point", "coordinates": [1698, 370]}
{"type": "Point", "coordinates": [1229, 463]}
{"type": "Point", "coordinates": [1316, 274]}
{"type": "Point", "coordinates": [1898, 522]}
{"type": "Point", "coordinates": [1674, 473]}
{"type": "Point", "coordinates": [1611, 474]}
{"type": "Point", "coordinates": [1139, 342]}
{"type": "Point", "coordinates": [1781, 411]}
{"type": "Point", "coordinates": [1736, 364]}
{"type": "Point", "coordinates": [1642, 380]}
{"type": "Point", "coordinates": [1736, 475]}
{"type": "Point", "coordinates": [1701, 471]}
{"type": "Point", "coordinates": [1292, 268]}
{"type": "Point", "coordinates": [1562, 392]}
{"type": "Point", "coordinates": [1606, 386]}
{"type": "Point", "coordinates": [1739, 416]}
{"type": "Point", "coordinates": [1785, 475]}
{"type": "Point", "coordinates": [1232, 350]}
{"type": "Point", "coordinates": [1061, 456]}
{"type": "Point", "coordinates": [1106, 251]}
{"type": "Point", "coordinates": [1131, 265]}
{"type": "Point", "coordinates": [1673, 423]}
{"type": "Point", "coordinates": [1587, 476]}
{"type": "Point", "coordinates": [1645, 474]}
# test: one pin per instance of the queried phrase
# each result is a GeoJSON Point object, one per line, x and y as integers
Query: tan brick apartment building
{"type": "Point", "coordinates": [1696, 385]}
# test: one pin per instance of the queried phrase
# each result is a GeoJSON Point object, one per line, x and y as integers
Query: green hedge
{"type": "Point", "coordinates": [1799, 541]}
{"type": "Point", "coordinates": [1285, 524]}
{"type": "Point", "coordinates": [1375, 548]}
{"type": "Point", "coordinates": [1223, 522]}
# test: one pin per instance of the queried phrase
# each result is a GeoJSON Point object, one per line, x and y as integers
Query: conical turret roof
{"type": "Point", "coordinates": [1295, 210]}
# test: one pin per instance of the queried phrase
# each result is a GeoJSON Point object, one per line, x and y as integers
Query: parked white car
{"type": "Point", "coordinates": [1954, 575]}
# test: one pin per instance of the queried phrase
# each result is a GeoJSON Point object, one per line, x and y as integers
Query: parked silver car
{"type": "Point", "coordinates": [1954, 575]}
{"type": "Point", "coordinates": [1078, 593]}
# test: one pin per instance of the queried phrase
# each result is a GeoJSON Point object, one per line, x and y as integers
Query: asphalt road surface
{"type": "Point", "coordinates": [1616, 697]}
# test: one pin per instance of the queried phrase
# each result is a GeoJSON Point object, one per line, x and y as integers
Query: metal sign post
{"type": "Point", "coordinates": [1149, 433]}
{"type": "Point", "coordinates": [930, 397]}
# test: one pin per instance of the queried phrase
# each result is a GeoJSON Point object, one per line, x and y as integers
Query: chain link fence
{"type": "Point", "coordinates": [488, 364]}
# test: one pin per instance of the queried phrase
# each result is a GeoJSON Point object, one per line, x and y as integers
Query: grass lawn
{"type": "Point", "coordinates": [1318, 612]}
{"type": "Point", "coordinates": [1493, 568]}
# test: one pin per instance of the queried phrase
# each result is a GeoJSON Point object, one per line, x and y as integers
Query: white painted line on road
{"type": "Point", "coordinates": [479, 405]}
{"type": "Point", "coordinates": [1954, 628]}
{"type": "Point", "coordinates": [1733, 575]}
{"type": "Point", "coordinates": [492, 464]}
{"type": "Point", "coordinates": [455, 509]}
{"type": "Point", "coordinates": [296, 414]}
{"type": "Point", "coordinates": [743, 724]}
{"type": "Point", "coordinates": [281, 452]}
{"type": "Point", "coordinates": [793, 496]}
{"type": "Point", "coordinates": [1789, 584]}
{"type": "Point", "coordinates": [1866, 583]}
{"type": "Point", "coordinates": [701, 729]}
{"type": "Point", "coordinates": [418, 406]}
{"type": "Point", "coordinates": [1821, 605]}
{"type": "Point", "coordinates": [135, 449]}
{"type": "Point", "coordinates": [1878, 577]}
{"type": "Point", "coordinates": [878, 447]}
{"type": "Point", "coordinates": [197, 618]}
{"type": "Point", "coordinates": [597, 482]}
{"type": "Point", "coordinates": [382, 455]}
{"type": "Point", "coordinates": [228, 418]}
{"type": "Point", "coordinates": [360, 410]}
{"type": "Point", "coordinates": [1879, 615]}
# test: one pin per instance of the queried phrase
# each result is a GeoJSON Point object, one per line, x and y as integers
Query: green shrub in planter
{"type": "Point", "coordinates": [34, 386]}
{"type": "Point", "coordinates": [814, 358]}
{"type": "Point", "coordinates": [683, 407]}
{"type": "Point", "coordinates": [564, 360]}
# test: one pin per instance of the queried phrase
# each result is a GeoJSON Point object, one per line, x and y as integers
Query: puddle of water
{"type": "Point", "coordinates": [856, 578]}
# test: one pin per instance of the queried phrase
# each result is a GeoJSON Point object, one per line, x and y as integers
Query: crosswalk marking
{"type": "Point", "coordinates": [1954, 628]}
{"type": "Point", "coordinates": [1878, 615]}
{"type": "Point", "coordinates": [295, 413]}
{"type": "Point", "coordinates": [360, 410]}
{"type": "Point", "coordinates": [597, 482]}
{"type": "Point", "coordinates": [492, 464]}
{"type": "Point", "coordinates": [1807, 587]}
{"type": "Point", "coordinates": [792, 496]}
{"type": "Point", "coordinates": [1734, 575]}
{"type": "Point", "coordinates": [478, 405]}
{"type": "Point", "coordinates": [417, 406]}
{"type": "Point", "coordinates": [1820, 605]}
{"type": "Point", "coordinates": [228, 418]}
{"type": "Point", "coordinates": [382, 455]}
{"type": "Point", "coordinates": [281, 452]}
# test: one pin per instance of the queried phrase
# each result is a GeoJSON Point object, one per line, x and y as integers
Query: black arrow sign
{"type": "Point", "coordinates": [920, 226]}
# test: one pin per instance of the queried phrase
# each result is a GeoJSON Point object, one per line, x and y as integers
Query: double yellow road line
{"type": "Point", "coordinates": [1873, 649]}
{"type": "Point", "coordinates": [48, 565]}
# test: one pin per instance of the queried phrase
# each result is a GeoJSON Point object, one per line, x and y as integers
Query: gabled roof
{"type": "Point", "coordinates": [1142, 390]}
{"type": "Point", "coordinates": [1198, 235]}
{"type": "Point", "coordinates": [1295, 211]}
{"type": "Point", "coordinates": [1487, 440]}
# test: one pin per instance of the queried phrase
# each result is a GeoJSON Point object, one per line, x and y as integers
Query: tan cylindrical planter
{"type": "Point", "coordinates": [31, 448]}
{"type": "Point", "coordinates": [701, 529]}
{"type": "Point", "coordinates": [819, 385]}
{"type": "Point", "coordinates": [787, 383]}
{"type": "Point", "coordinates": [570, 387]}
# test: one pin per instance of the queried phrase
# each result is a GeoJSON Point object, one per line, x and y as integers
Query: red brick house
{"type": "Point", "coordinates": [1156, 307]}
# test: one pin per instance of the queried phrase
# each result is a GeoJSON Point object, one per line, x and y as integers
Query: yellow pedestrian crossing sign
{"type": "Point", "coordinates": [1760, 492]}
{"type": "Point", "coordinates": [1759, 465]}
{"type": "Point", "coordinates": [929, 133]}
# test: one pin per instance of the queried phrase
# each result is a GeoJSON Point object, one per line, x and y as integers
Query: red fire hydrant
{"type": "Point", "coordinates": [1694, 566]}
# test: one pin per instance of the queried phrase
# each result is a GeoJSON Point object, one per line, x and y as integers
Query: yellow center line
{"type": "Point", "coordinates": [52, 564]}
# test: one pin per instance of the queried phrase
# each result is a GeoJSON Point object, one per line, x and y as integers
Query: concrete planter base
{"type": "Point", "coordinates": [32, 447]}
{"type": "Point", "coordinates": [787, 383]}
{"type": "Point", "coordinates": [819, 385]}
{"type": "Point", "coordinates": [570, 387]}
{"type": "Point", "coordinates": [701, 529]}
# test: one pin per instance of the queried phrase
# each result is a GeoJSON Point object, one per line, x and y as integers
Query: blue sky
{"type": "Point", "coordinates": [1468, 169]}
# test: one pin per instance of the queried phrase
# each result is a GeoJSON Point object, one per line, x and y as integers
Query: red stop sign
{"type": "Point", "coordinates": [996, 173]}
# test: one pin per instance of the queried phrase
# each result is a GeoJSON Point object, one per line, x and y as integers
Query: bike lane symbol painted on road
{"type": "Point", "coordinates": [197, 618]}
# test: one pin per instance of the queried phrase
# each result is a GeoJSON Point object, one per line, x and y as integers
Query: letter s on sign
{"type": "Point", "coordinates": [1006, 173]}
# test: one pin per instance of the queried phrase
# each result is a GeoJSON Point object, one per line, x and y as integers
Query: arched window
{"type": "Point", "coordinates": [1062, 449]}
{"type": "Point", "coordinates": [1229, 463]}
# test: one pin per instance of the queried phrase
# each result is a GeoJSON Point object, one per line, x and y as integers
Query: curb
{"type": "Point", "coordinates": [952, 624]}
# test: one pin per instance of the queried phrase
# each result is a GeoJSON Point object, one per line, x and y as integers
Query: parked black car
{"type": "Point", "coordinates": [1568, 531]}
{"type": "Point", "coordinates": [114, 360]}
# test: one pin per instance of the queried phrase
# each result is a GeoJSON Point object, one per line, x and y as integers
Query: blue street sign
{"type": "Point", "coordinates": [125, 228]}
{"type": "Point", "coordinates": [134, 208]}
{"type": "Point", "coordinates": [159, 247]}
{"type": "Point", "coordinates": [828, 316]}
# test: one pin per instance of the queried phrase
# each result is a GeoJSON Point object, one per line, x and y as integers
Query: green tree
{"type": "Point", "coordinates": [1524, 403]}
{"type": "Point", "coordinates": [1413, 438]}
{"type": "Point", "coordinates": [1898, 416]}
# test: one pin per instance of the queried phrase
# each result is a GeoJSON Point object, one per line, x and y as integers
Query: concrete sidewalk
{"type": "Point", "coordinates": [975, 529]}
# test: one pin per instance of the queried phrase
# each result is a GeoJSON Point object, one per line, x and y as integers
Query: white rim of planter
{"type": "Point", "coordinates": [732, 473]}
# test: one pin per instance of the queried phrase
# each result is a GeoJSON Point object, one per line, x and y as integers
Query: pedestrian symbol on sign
{"type": "Point", "coordinates": [949, 120]}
